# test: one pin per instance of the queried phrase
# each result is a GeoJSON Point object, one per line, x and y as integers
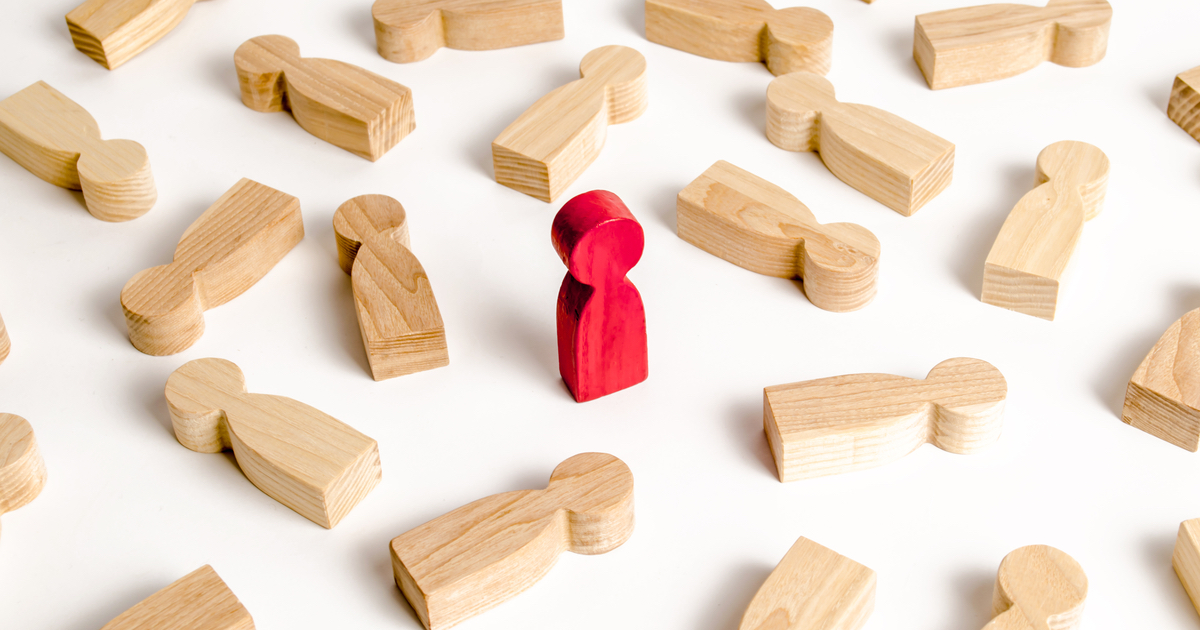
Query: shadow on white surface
{"type": "Point", "coordinates": [663, 204]}
{"type": "Point", "coordinates": [728, 604]}
{"type": "Point", "coordinates": [751, 107]}
{"type": "Point", "coordinates": [1157, 551]}
{"type": "Point", "coordinates": [1018, 180]}
{"type": "Point", "coordinates": [746, 427]}
{"type": "Point", "coordinates": [361, 25]}
{"type": "Point", "coordinates": [974, 594]}
{"type": "Point", "coordinates": [634, 14]}
{"type": "Point", "coordinates": [107, 300]}
{"type": "Point", "coordinates": [900, 43]}
{"type": "Point", "coordinates": [117, 605]}
{"type": "Point", "coordinates": [223, 75]}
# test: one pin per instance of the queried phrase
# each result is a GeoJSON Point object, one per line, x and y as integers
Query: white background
{"type": "Point", "coordinates": [127, 510]}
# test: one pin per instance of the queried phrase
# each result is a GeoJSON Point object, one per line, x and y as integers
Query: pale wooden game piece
{"type": "Point", "coordinates": [1163, 397]}
{"type": "Point", "coordinates": [1186, 559]}
{"type": "Point", "coordinates": [1024, 269]}
{"type": "Point", "coordinates": [1038, 588]}
{"type": "Point", "coordinates": [5, 345]}
{"type": "Point", "coordinates": [223, 253]}
{"type": "Point", "coordinates": [412, 30]}
{"type": "Point", "coordinates": [342, 104]}
{"type": "Point", "coordinates": [972, 45]}
{"type": "Point", "coordinates": [882, 155]}
{"type": "Point", "coordinates": [199, 600]}
{"type": "Point", "coordinates": [483, 554]}
{"type": "Point", "coordinates": [59, 141]}
{"type": "Point", "coordinates": [1184, 106]}
{"type": "Point", "coordinates": [399, 318]}
{"type": "Point", "coordinates": [115, 31]}
{"type": "Point", "coordinates": [787, 40]}
{"type": "Point", "coordinates": [550, 145]}
{"type": "Point", "coordinates": [303, 458]}
{"type": "Point", "coordinates": [813, 588]}
{"type": "Point", "coordinates": [841, 424]}
{"type": "Point", "coordinates": [754, 224]}
{"type": "Point", "coordinates": [22, 470]}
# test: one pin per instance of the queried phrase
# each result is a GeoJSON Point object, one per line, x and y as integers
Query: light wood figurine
{"type": "Point", "coordinates": [483, 554]}
{"type": "Point", "coordinates": [297, 455]}
{"type": "Point", "coordinates": [1163, 397]}
{"type": "Point", "coordinates": [59, 141]}
{"type": "Point", "coordinates": [754, 224]}
{"type": "Point", "coordinates": [1038, 588]}
{"type": "Point", "coordinates": [5, 344]}
{"type": "Point", "coordinates": [1024, 269]}
{"type": "Point", "coordinates": [399, 318]}
{"type": "Point", "coordinates": [342, 104]}
{"type": "Point", "coordinates": [972, 45]}
{"type": "Point", "coordinates": [1186, 559]}
{"type": "Point", "coordinates": [115, 31]}
{"type": "Point", "coordinates": [226, 251]}
{"type": "Point", "coordinates": [22, 470]}
{"type": "Point", "coordinates": [813, 588]}
{"type": "Point", "coordinates": [412, 30]}
{"type": "Point", "coordinates": [199, 600]}
{"type": "Point", "coordinates": [880, 154]}
{"type": "Point", "coordinates": [1184, 106]}
{"type": "Point", "coordinates": [787, 40]}
{"type": "Point", "coordinates": [550, 145]}
{"type": "Point", "coordinates": [841, 424]}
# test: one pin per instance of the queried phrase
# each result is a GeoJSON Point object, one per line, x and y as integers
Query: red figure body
{"type": "Point", "coordinates": [601, 320]}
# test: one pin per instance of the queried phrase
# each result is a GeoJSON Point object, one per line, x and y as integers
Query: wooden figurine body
{"type": "Point", "coordinates": [399, 318]}
{"type": "Point", "coordinates": [787, 40]}
{"type": "Point", "coordinates": [1184, 106]}
{"type": "Point", "coordinates": [841, 424]}
{"type": "Point", "coordinates": [754, 224]}
{"type": "Point", "coordinates": [1163, 397]}
{"type": "Point", "coordinates": [1038, 588]}
{"type": "Point", "coordinates": [199, 600]}
{"type": "Point", "coordinates": [115, 31]}
{"type": "Point", "coordinates": [972, 45]}
{"type": "Point", "coordinates": [813, 588]}
{"type": "Point", "coordinates": [5, 344]}
{"type": "Point", "coordinates": [412, 30]}
{"type": "Point", "coordinates": [297, 455]}
{"type": "Point", "coordinates": [57, 140]}
{"type": "Point", "coordinates": [550, 145]}
{"type": "Point", "coordinates": [1185, 559]}
{"type": "Point", "coordinates": [1025, 266]}
{"type": "Point", "coordinates": [342, 104]}
{"type": "Point", "coordinates": [601, 319]}
{"type": "Point", "coordinates": [483, 554]}
{"type": "Point", "coordinates": [880, 154]}
{"type": "Point", "coordinates": [22, 469]}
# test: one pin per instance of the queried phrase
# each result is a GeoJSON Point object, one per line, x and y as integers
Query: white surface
{"type": "Point", "coordinates": [127, 509]}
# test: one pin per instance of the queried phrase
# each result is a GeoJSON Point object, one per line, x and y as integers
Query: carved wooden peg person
{"type": "Point", "coordinates": [880, 154]}
{"type": "Point", "coordinates": [1184, 107]}
{"type": "Point", "coordinates": [199, 600]}
{"type": "Point", "coordinates": [342, 104]}
{"type": "Point", "coordinates": [303, 458]}
{"type": "Point", "coordinates": [114, 31]}
{"type": "Point", "coordinates": [787, 40]}
{"type": "Point", "coordinates": [22, 470]}
{"type": "Point", "coordinates": [1038, 588]}
{"type": "Point", "coordinates": [59, 141]}
{"type": "Point", "coordinates": [412, 30]}
{"type": "Point", "coordinates": [399, 318]}
{"type": "Point", "coordinates": [813, 588]}
{"type": "Point", "coordinates": [1186, 559]}
{"type": "Point", "coordinates": [601, 319]}
{"type": "Point", "coordinates": [485, 553]}
{"type": "Point", "coordinates": [1163, 397]}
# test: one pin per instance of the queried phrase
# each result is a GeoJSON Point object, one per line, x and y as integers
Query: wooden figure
{"type": "Point", "coordinates": [114, 31]}
{"type": "Point", "coordinates": [813, 588]}
{"type": "Point", "coordinates": [485, 553]}
{"type": "Point", "coordinates": [342, 104]}
{"type": "Point", "coordinates": [754, 224]}
{"type": "Point", "coordinates": [5, 345]}
{"type": "Point", "coordinates": [846, 423]}
{"type": "Point", "coordinates": [399, 318]}
{"type": "Point", "coordinates": [787, 40]}
{"type": "Point", "coordinates": [1184, 106]}
{"type": "Point", "coordinates": [972, 45]}
{"type": "Point", "coordinates": [601, 319]}
{"type": "Point", "coordinates": [297, 455]}
{"type": "Point", "coordinates": [882, 155]}
{"type": "Point", "coordinates": [1163, 397]}
{"type": "Point", "coordinates": [550, 145]}
{"type": "Point", "coordinates": [1025, 266]}
{"type": "Point", "coordinates": [59, 141]}
{"type": "Point", "coordinates": [412, 30]}
{"type": "Point", "coordinates": [199, 600]}
{"type": "Point", "coordinates": [1038, 588]}
{"type": "Point", "coordinates": [22, 470]}
{"type": "Point", "coordinates": [225, 252]}
{"type": "Point", "coordinates": [1186, 559]}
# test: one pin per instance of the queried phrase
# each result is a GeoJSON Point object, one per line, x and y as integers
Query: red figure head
{"type": "Point", "coordinates": [597, 238]}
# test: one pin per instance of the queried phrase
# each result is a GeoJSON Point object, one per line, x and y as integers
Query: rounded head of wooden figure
{"type": "Point", "coordinates": [116, 181]}
{"type": "Point", "coordinates": [22, 470]}
{"type": "Point", "coordinates": [798, 38]}
{"type": "Point", "coordinates": [194, 395]}
{"type": "Point", "coordinates": [163, 310]}
{"type": "Point", "coordinates": [622, 70]}
{"type": "Point", "coordinates": [597, 237]}
{"type": "Point", "coordinates": [597, 493]}
{"type": "Point", "coordinates": [1042, 585]}
{"type": "Point", "coordinates": [261, 62]}
{"type": "Point", "coordinates": [1076, 166]}
{"type": "Point", "coordinates": [379, 214]}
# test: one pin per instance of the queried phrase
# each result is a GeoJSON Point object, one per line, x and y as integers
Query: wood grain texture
{"type": "Point", "coordinates": [1186, 559]}
{"type": "Point", "coordinates": [880, 154]}
{"type": "Point", "coordinates": [754, 224]}
{"type": "Point", "coordinates": [114, 31]}
{"type": "Point", "coordinates": [59, 141]}
{"type": "Point", "coordinates": [972, 45]}
{"type": "Point", "coordinates": [1025, 266]}
{"type": "Point", "coordinates": [1163, 397]}
{"type": "Point", "coordinates": [412, 30]}
{"type": "Point", "coordinates": [813, 588]}
{"type": "Point", "coordinates": [841, 424]}
{"type": "Point", "coordinates": [223, 253]}
{"type": "Point", "coordinates": [342, 104]}
{"type": "Point", "coordinates": [1184, 106]}
{"type": "Point", "coordinates": [1038, 588]}
{"type": "Point", "coordinates": [485, 553]}
{"type": "Point", "coordinates": [550, 145]}
{"type": "Point", "coordinates": [303, 458]}
{"type": "Point", "coordinates": [787, 40]}
{"type": "Point", "coordinates": [199, 600]}
{"type": "Point", "coordinates": [401, 325]}
{"type": "Point", "coordinates": [5, 344]}
{"type": "Point", "coordinates": [22, 470]}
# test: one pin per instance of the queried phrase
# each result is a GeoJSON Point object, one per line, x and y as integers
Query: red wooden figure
{"type": "Point", "coordinates": [601, 320]}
